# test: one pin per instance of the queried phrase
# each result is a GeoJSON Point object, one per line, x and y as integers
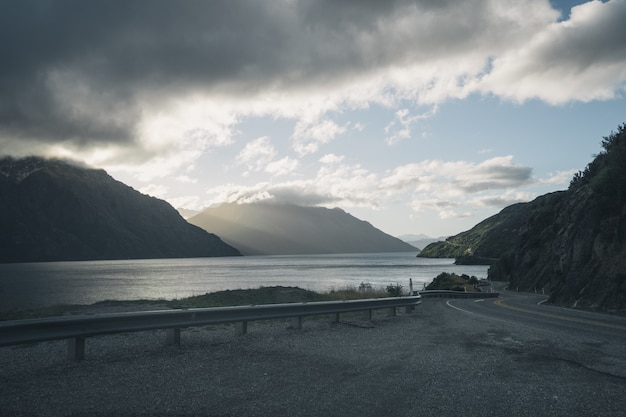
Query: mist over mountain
{"type": "Point", "coordinates": [570, 244]}
{"type": "Point", "coordinates": [54, 210]}
{"type": "Point", "coordinates": [420, 241]}
{"type": "Point", "coordinates": [284, 229]}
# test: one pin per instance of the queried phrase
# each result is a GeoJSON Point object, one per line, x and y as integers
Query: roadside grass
{"type": "Point", "coordinates": [256, 296]}
{"type": "Point", "coordinates": [34, 313]}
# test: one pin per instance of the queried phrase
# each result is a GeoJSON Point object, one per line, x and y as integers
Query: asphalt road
{"type": "Point", "coordinates": [602, 337]}
{"type": "Point", "coordinates": [491, 357]}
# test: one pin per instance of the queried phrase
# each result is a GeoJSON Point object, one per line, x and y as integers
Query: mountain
{"type": "Point", "coordinates": [570, 244]}
{"type": "Point", "coordinates": [575, 246]}
{"type": "Point", "coordinates": [284, 229]}
{"type": "Point", "coordinates": [489, 239]}
{"type": "Point", "coordinates": [420, 241]}
{"type": "Point", "coordinates": [53, 210]}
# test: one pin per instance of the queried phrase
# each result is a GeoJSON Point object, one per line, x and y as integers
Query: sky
{"type": "Point", "coordinates": [421, 117]}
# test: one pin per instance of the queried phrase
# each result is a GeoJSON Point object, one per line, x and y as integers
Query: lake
{"type": "Point", "coordinates": [28, 285]}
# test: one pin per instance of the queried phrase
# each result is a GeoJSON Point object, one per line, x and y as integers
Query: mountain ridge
{"type": "Point", "coordinates": [289, 229]}
{"type": "Point", "coordinates": [53, 210]}
{"type": "Point", "coordinates": [488, 239]}
{"type": "Point", "coordinates": [570, 244]}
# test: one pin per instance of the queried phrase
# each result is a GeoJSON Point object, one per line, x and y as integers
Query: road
{"type": "Point", "coordinates": [601, 338]}
{"type": "Point", "coordinates": [486, 358]}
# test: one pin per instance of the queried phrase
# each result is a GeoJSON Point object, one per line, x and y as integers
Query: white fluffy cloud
{"type": "Point", "coordinates": [400, 128]}
{"type": "Point", "coordinates": [309, 136]}
{"type": "Point", "coordinates": [282, 166]}
{"type": "Point", "coordinates": [257, 154]}
{"type": "Point", "coordinates": [582, 58]}
{"type": "Point", "coordinates": [452, 189]}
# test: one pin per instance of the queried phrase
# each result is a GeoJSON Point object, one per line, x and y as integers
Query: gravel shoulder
{"type": "Point", "coordinates": [434, 361]}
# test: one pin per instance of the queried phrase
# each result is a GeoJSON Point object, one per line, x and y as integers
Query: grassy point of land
{"type": "Point", "coordinates": [256, 296]}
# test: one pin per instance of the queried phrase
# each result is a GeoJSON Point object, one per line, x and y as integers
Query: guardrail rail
{"type": "Point", "coordinates": [77, 328]}
{"type": "Point", "coordinates": [456, 294]}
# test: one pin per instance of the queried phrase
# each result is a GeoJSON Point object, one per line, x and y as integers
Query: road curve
{"type": "Point", "coordinates": [600, 338]}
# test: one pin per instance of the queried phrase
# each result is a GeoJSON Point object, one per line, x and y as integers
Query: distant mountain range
{"type": "Point", "coordinates": [571, 244]}
{"type": "Point", "coordinates": [284, 229]}
{"type": "Point", "coordinates": [52, 210]}
{"type": "Point", "coordinates": [420, 241]}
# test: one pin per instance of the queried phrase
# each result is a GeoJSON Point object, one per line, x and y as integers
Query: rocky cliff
{"type": "Point", "coordinates": [570, 244]}
{"type": "Point", "coordinates": [574, 247]}
{"type": "Point", "coordinates": [52, 210]}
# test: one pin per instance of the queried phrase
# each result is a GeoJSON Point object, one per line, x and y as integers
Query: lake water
{"type": "Point", "coordinates": [28, 285]}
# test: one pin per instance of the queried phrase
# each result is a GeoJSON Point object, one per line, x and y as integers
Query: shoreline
{"type": "Point", "coordinates": [253, 296]}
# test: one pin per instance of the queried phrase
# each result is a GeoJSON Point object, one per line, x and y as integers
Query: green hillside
{"type": "Point", "coordinates": [570, 244]}
{"type": "Point", "coordinates": [490, 238]}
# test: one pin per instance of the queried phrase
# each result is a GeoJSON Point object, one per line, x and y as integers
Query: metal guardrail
{"type": "Point", "coordinates": [77, 328]}
{"type": "Point", "coordinates": [457, 294]}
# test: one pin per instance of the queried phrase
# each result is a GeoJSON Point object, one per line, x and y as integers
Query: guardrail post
{"type": "Point", "coordinates": [242, 328]}
{"type": "Point", "coordinates": [76, 348]}
{"type": "Point", "coordinates": [392, 311]}
{"type": "Point", "coordinates": [172, 337]}
{"type": "Point", "coordinates": [299, 320]}
{"type": "Point", "coordinates": [368, 314]}
{"type": "Point", "coordinates": [336, 317]}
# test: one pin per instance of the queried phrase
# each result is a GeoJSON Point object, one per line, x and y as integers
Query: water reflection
{"type": "Point", "coordinates": [49, 283]}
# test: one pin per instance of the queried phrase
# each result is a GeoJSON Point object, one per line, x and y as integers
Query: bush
{"type": "Point", "coordinates": [394, 290]}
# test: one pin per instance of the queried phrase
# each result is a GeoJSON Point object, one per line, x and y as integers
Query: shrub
{"type": "Point", "coordinates": [394, 290]}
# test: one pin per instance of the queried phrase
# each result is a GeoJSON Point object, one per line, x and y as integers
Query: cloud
{"type": "Point", "coordinates": [582, 58]}
{"type": "Point", "coordinates": [186, 179]}
{"type": "Point", "coordinates": [151, 85]}
{"type": "Point", "coordinates": [453, 189]}
{"type": "Point", "coordinates": [560, 177]}
{"type": "Point", "coordinates": [257, 154]}
{"type": "Point", "coordinates": [331, 158]}
{"type": "Point", "coordinates": [283, 166]}
{"type": "Point", "coordinates": [494, 173]}
{"type": "Point", "coordinates": [155, 190]}
{"type": "Point", "coordinates": [400, 128]}
{"type": "Point", "coordinates": [459, 176]}
{"type": "Point", "coordinates": [309, 136]}
{"type": "Point", "coordinates": [505, 199]}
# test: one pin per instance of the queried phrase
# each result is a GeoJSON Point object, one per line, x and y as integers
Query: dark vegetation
{"type": "Point", "coordinates": [51, 210]}
{"type": "Point", "coordinates": [262, 295]}
{"type": "Point", "coordinates": [483, 243]}
{"type": "Point", "coordinates": [571, 244]}
{"type": "Point", "coordinates": [574, 247]}
{"type": "Point", "coordinates": [454, 282]}
{"type": "Point", "coordinates": [256, 296]}
{"type": "Point", "coordinates": [474, 260]}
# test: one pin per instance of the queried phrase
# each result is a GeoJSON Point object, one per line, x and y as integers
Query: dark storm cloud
{"type": "Point", "coordinates": [496, 177]}
{"type": "Point", "coordinates": [36, 39]}
{"type": "Point", "coordinates": [82, 70]}
{"type": "Point", "coordinates": [146, 43]}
